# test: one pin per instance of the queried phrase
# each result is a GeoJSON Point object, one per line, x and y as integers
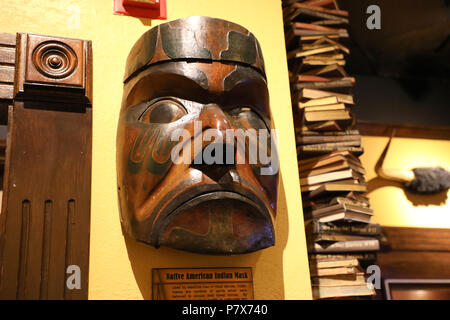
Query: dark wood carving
{"type": "Point", "coordinates": [45, 218]}
{"type": "Point", "coordinates": [178, 74]}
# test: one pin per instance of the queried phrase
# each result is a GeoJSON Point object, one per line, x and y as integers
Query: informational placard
{"type": "Point", "coordinates": [202, 284]}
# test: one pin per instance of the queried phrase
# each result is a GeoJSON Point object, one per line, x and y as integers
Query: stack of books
{"type": "Point", "coordinates": [342, 241]}
{"type": "Point", "coordinates": [338, 277]}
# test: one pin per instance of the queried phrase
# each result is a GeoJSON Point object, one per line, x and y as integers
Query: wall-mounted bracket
{"type": "Point", "coordinates": [153, 9]}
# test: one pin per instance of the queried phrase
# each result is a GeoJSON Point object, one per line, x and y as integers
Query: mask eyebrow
{"type": "Point", "coordinates": [239, 75]}
{"type": "Point", "coordinates": [173, 79]}
{"type": "Point", "coordinates": [245, 87]}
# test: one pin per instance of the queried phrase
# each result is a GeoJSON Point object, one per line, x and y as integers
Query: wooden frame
{"type": "Point", "coordinates": [402, 130]}
{"type": "Point", "coordinates": [46, 99]}
{"type": "Point", "coordinates": [389, 282]}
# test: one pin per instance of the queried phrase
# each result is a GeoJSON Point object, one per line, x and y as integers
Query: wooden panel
{"type": "Point", "coordinates": [45, 220]}
{"type": "Point", "coordinates": [6, 91]}
{"type": "Point", "coordinates": [8, 38]}
{"type": "Point", "coordinates": [414, 265]}
{"type": "Point", "coordinates": [405, 131]}
{"type": "Point", "coordinates": [7, 54]}
{"type": "Point", "coordinates": [49, 194]}
{"type": "Point", "coordinates": [416, 253]}
{"type": "Point", "coordinates": [7, 70]}
{"type": "Point", "coordinates": [417, 239]}
{"type": "Point", "coordinates": [7, 74]}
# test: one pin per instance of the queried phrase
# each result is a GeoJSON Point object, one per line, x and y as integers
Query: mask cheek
{"type": "Point", "coordinates": [150, 164]}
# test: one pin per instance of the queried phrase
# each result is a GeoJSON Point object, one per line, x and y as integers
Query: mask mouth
{"type": "Point", "coordinates": [219, 222]}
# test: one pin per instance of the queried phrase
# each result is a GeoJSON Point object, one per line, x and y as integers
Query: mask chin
{"type": "Point", "coordinates": [216, 223]}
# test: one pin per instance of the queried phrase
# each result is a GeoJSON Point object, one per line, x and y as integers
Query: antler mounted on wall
{"type": "Point", "coordinates": [417, 180]}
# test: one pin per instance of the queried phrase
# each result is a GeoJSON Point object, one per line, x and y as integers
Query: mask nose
{"type": "Point", "coordinates": [213, 117]}
{"type": "Point", "coordinates": [217, 160]}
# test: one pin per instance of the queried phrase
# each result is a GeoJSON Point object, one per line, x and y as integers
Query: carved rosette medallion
{"type": "Point", "coordinates": [54, 59]}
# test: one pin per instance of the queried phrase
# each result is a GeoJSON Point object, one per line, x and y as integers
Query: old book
{"type": "Point", "coordinates": [303, 53]}
{"type": "Point", "coordinates": [327, 159]}
{"type": "Point", "coordinates": [308, 78]}
{"type": "Point", "coordinates": [330, 145]}
{"type": "Point", "coordinates": [343, 216]}
{"type": "Point", "coordinates": [312, 150]}
{"type": "Point", "coordinates": [349, 198]}
{"type": "Point", "coordinates": [313, 139]}
{"type": "Point", "coordinates": [315, 78]}
{"type": "Point", "coordinates": [342, 13]}
{"type": "Point", "coordinates": [330, 176]}
{"type": "Point", "coordinates": [319, 3]}
{"type": "Point", "coordinates": [323, 126]}
{"type": "Point", "coordinates": [308, 12]}
{"type": "Point", "coordinates": [324, 84]}
{"type": "Point", "coordinates": [354, 183]}
{"type": "Point", "coordinates": [337, 106]}
{"type": "Point", "coordinates": [309, 26]}
{"type": "Point", "coordinates": [302, 32]}
{"type": "Point", "coordinates": [323, 62]}
{"type": "Point", "coordinates": [341, 165]}
{"type": "Point", "coordinates": [317, 212]}
{"type": "Point", "coordinates": [361, 256]}
{"type": "Point", "coordinates": [328, 162]}
{"type": "Point", "coordinates": [357, 278]}
{"type": "Point", "coordinates": [337, 187]}
{"type": "Point", "coordinates": [315, 227]}
{"type": "Point", "coordinates": [334, 263]}
{"type": "Point", "coordinates": [329, 56]}
{"type": "Point", "coordinates": [328, 40]}
{"type": "Point", "coordinates": [334, 237]}
{"type": "Point", "coordinates": [314, 116]}
{"type": "Point", "coordinates": [327, 22]}
{"type": "Point", "coordinates": [317, 37]}
{"type": "Point", "coordinates": [345, 246]}
{"type": "Point", "coordinates": [323, 292]}
{"type": "Point", "coordinates": [318, 102]}
{"type": "Point", "coordinates": [332, 271]}
{"type": "Point", "coordinates": [352, 132]}
{"type": "Point", "coordinates": [328, 70]}
{"type": "Point", "coordinates": [314, 93]}
{"type": "Point", "coordinates": [307, 151]}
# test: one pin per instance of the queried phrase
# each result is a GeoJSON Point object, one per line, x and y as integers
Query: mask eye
{"type": "Point", "coordinates": [163, 111]}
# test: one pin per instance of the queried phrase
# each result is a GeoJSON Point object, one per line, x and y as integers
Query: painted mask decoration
{"type": "Point", "coordinates": [197, 169]}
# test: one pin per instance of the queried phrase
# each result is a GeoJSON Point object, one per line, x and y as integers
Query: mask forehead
{"type": "Point", "coordinates": [195, 39]}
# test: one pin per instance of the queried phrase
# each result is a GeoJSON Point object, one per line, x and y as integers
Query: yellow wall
{"type": "Point", "coordinates": [120, 268]}
{"type": "Point", "coordinates": [392, 205]}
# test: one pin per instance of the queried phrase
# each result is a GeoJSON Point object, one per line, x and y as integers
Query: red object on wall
{"type": "Point", "coordinates": [140, 9]}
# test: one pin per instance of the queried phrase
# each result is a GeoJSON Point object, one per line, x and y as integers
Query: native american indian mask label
{"type": "Point", "coordinates": [197, 168]}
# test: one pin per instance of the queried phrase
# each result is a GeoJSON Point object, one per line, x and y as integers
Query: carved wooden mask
{"type": "Point", "coordinates": [199, 75]}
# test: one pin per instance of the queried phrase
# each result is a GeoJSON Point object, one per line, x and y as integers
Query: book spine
{"type": "Point", "coordinates": [330, 141]}
{"type": "Point", "coordinates": [346, 246]}
{"type": "Point", "coordinates": [368, 230]}
{"type": "Point", "coordinates": [324, 84]}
